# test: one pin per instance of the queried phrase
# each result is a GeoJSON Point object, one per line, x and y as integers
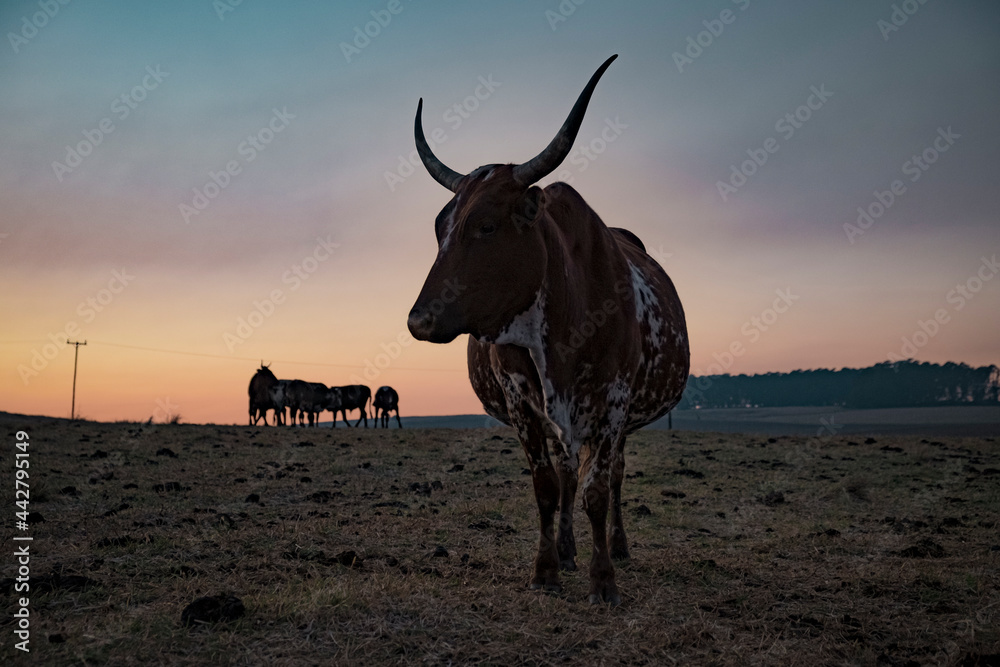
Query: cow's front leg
{"type": "Point", "coordinates": [546, 482]}
{"type": "Point", "coordinates": [617, 542]}
{"type": "Point", "coordinates": [596, 473]}
{"type": "Point", "coordinates": [565, 542]}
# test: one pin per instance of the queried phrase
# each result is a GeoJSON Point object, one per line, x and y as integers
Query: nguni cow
{"type": "Point", "coordinates": [354, 397]}
{"type": "Point", "coordinates": [278, 394]}
{"type": "Point", "coordinates": [301, 397]}
{"type": "Point", "coordinates": [319, 402]}
{"type": "Point", "coordinates": [577, 336]}
{"type": "Point", "coordinates": [306, 401]}
{"type": "Point", "coordinates": [386, 400]}
{"type": "Point", "coordinates": [261, 385]}
{"type": "Point", "coordinates": [328, 399]}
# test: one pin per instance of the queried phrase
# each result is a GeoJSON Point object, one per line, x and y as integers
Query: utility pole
{"type": "Point", "coordinates": [76, 355]}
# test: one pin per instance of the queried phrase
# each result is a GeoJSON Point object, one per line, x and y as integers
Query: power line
{"type": "Point", "coordinates": [255, 359]}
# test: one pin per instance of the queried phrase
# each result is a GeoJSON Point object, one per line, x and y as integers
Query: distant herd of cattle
{"type": "Point", "coordinates": [306, 401]}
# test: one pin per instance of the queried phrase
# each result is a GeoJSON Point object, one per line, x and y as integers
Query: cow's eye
{"type": "Point", "coordinates": [487, 228]}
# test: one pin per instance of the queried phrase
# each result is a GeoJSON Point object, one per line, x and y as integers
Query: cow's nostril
{"type": "Point", "coordinates": [420, 323]}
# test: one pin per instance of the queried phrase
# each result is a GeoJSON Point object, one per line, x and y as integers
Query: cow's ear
{"type": "Point", "coordinates": [531, 206]}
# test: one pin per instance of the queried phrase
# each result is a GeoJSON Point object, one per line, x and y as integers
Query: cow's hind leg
{"type": "Point", "coordinates": [595, 472]}
{"type": "Point", "coordinates": [565, 542]}
{"type": "Point", "coordinates": [617, 542]}
{"type": "Point", "coordinates": [398, 423]}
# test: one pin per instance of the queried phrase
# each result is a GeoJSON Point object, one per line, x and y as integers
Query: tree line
{"type": "Point", "coordinates": [885, 385]}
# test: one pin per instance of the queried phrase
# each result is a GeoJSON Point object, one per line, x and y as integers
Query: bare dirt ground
{"type": "Point", "coordinates": [357, 547]}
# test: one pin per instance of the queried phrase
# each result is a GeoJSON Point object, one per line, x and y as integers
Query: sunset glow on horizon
{"type": "Point", "coordinates": [195, 191]}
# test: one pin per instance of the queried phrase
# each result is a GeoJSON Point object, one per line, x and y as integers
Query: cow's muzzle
{"type": "Point", "coordinates": [425, 325]}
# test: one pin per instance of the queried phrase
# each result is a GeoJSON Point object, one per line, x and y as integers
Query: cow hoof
{"type": "Point", "coordinates": [612, 600]}
{"type": "Point", "coordinates": [567, 565]}
{"type": "Point", "coordinates": [545, 579]}
{"type": "Point", "coordinates": [604, 590]}
{"type": "Point", "coordinates": [547, 588]}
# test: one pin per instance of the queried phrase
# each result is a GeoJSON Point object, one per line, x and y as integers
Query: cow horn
{"type": "Point", "coordinates": [444, 175]}
{"type": "Point", "coordinates": [549, 159]}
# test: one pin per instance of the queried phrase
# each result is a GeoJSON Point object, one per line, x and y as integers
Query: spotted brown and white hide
{"type": "Point", "coordinates": [278, 394]}
{"type": "Point", "coordinates": [577, 337]}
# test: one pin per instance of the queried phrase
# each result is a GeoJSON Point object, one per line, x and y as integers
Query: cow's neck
{"type": "Point", "coordinates": [571, 288]}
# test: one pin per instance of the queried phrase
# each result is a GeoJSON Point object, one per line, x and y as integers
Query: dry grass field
{"type": "Point", "coordinates": [355, 547]}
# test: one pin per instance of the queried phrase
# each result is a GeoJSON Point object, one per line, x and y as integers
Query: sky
{"type": "Point", "coordinates": [195, 187]}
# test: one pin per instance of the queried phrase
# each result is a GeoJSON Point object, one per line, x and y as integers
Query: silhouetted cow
{"type": "Point", "coordinates": [278, 400]}
{"type": "Point", "coordinates": [327, 398]}
{"type": "Point", "coordinates": [386, 400]}
{"type": "Point", "coordinates": [354, 397]}
{"type": "Point", "coordinates": [301, 398]}
{"type": "Point", "coordinates": [259, 391]}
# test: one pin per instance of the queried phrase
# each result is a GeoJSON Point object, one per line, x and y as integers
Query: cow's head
{"type": "Point", "coordinates": [491, 254]}
{"type": "Point", "coordinates": [333, 400]}
{"type": "Point", "coordinates": [265, 371]}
